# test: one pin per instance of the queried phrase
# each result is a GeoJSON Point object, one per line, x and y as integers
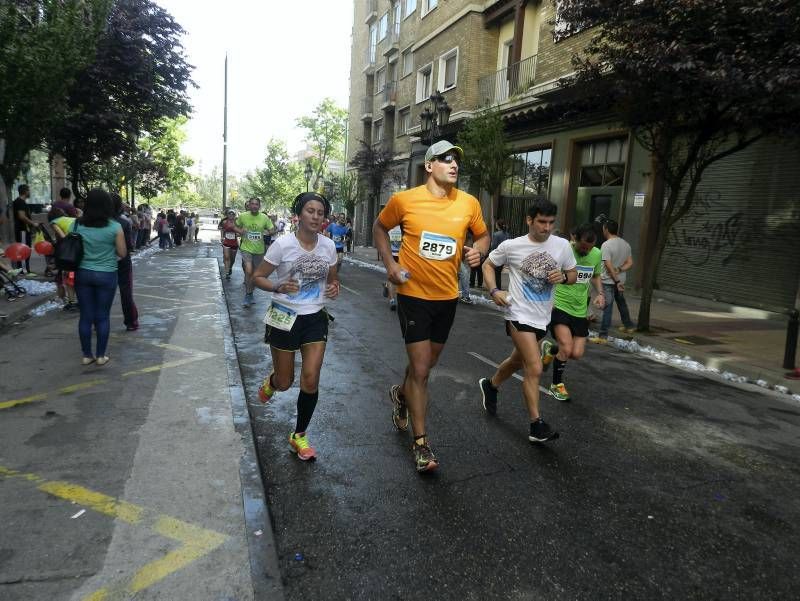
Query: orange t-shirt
{"type": "Point", "coordinates": [434, 230]}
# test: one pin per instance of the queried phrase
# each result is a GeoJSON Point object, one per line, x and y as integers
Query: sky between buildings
{"type": "Point", "coordinates": [283, 58]}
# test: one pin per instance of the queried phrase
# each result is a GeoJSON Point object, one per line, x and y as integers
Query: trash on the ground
{"type": "Point", "coordinates": [779, 388]}
{"type": "Point", "coordinates": [762, 383]}
{"type": "Point", "coordinates": [365, 265]}
{"type": "Point", "coordinates": [50, 305]}
{"type": "Point", "coordinates": [796, 397]}
{"type": "Point", "coordinates": [143, 253]}
{"type": "Point", "coordinates": [36, 288]}
{"type": "Point", "coordinates": [258, 532]}
{"type": "Point", "coordinates": [649, 517]}
{"type": "Point", "coordinates": [79, 514]}
{"type": "Point", "coordinates": [298, 557]}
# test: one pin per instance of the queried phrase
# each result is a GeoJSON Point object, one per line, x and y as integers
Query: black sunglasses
{"type": "Point", "coordinates": [446, 158]}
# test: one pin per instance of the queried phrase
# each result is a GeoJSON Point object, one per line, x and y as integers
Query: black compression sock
{"type": "Point", "coordinates": [558, 370]}
{"type": "Point", "coordinates": [306, 403]}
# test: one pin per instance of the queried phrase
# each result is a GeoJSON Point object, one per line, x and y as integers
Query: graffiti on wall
{"type": "Point", "coordinates": [707, 233]}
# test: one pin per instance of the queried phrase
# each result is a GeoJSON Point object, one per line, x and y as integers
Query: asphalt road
{"type": "Point", "coordinates": [663, 485]}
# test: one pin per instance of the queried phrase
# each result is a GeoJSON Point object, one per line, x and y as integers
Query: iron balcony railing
{"type": "Point", "coordinates": [366, 107]}
{"type": "Point", "coordinates": [394, 34]}
{"type": "Point", "coordinates": [389, 92]}
{"type": "Point", "coordinates": [507, 83]}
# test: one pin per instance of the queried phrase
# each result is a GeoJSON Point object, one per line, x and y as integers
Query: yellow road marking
{"type": "Point", "coordinates": [196, 542]}
{"type": "Point", "coordinates": [40, 397]}
{"type": "Point", "coordinates": [127, 512]}
{"type": "Point", "coordinates": [167, 365]}
{"type": "Point", "coordinates": [22, 401]}
{"type": "Point", "coordinates": [682, 341]}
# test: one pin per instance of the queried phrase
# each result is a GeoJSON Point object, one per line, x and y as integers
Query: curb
{"type": "Point", "coordinates": [265, 571]}
{"type": "Point", "coordinates": [17, 317]}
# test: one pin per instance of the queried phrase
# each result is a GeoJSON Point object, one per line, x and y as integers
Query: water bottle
{"type": "Point", "coordinates": [404, 276]}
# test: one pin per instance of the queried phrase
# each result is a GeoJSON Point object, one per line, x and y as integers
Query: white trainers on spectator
{"type": "Point", "coordinates": [103, 360]}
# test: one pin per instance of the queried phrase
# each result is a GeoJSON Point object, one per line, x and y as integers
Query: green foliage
{"type": "Point", "coordinates": [278, 181]}
{"type": "Point", "coordinates": [43, 46]}
{"type": "Point", "coordinates": [486, 151]}
{"type": "Point", "coordinates": [158, 163]}
{"type": "Point", "coordinates": [374, 165]}
{"type": "Point", "coordinates": [139, 77]}
{"type": "Point", "coordinates": [325, 130]}
{"type": "Point", "coordinates": [695, 82]}
{"type": "Point", "coordinates": [345, 191]}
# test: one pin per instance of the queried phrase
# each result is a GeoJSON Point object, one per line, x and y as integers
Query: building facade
{"type": "Point", "coordinates": [510, 55]}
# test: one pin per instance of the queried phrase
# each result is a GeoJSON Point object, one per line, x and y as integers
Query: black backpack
{"type": "Point", "coordinates": [69, 251]}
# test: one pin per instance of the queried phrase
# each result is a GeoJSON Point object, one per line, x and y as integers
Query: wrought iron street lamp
{"type": "Point", "coordinates": [309, 171]}
{"type": "Point", "coordinates": [434, 117]}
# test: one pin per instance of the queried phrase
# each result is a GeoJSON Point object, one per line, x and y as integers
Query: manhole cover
{"type": "Point", "coordinates": [696, 340]}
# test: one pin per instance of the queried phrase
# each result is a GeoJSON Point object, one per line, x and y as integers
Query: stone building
{"type": "Point", "coordinates": [510, 55]}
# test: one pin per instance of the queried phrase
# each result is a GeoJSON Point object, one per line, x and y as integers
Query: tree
{"type": "Point", "coordinates": [694, 81]}
{"type": "Point", "coordinates": [374, 166]}
{"type": "Point", "coordinates": [43, 45]}
{"type": "Point", "coordinates": [486, 152]}
{"type": "Point", "coordinates": [159, 164]}
{"type": "Point", "coordinates": [325, 131]}
{"type": "Point", "coordinates": [278, 181]}
{"type": "Point", "coordinates": [138, 78]}
{"type": "Point", "coordinates": [345, 190]}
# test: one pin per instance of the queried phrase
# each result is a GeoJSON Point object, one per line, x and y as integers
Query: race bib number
{"type": "Point", "coordinates": [254, 236]}
{"type": "Point", "coordinates": [230, 236]}
{"type": "Point", "coordinates": [584, 274]}
{"type": "Point", "coordinates": [280, 317]}
{"type": "Point", "coordinates": [436, 246]}
{"type": "Point", "coordinates": [395, 235]}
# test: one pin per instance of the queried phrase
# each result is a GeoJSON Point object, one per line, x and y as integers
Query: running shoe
{"type": "Point", "coordinates": [466, 300]}
{"type": "Point", "coordinates": [385, 291]}
{"type": "Point", "coordinates": [489, 394]}
{"type": "Point", "coordinates": [399, 409]}
{"type": "Point", "coordinates": [299, 444]}
{"type": "Point", "coordinates": [598, 339]}
{"type": "Point", "coordinates": [541, 431]}
{"type": "Point", "coordinates": [626, 330]}
{"type": "Point", "coordinates": [265, 392]}
{"type": "Point", "coordinates": [424, 459]}
{"type": "Point", "coordinates": [547, 354]}
{"type": "Point", "coordinates": [248, 299]}
{"type": "Point", "coordinates": [393, 305]}
{"type": "Point", "coordinates": [559, 392]}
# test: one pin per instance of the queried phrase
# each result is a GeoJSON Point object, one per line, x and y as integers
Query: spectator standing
{"type": "Point", "coordinates": [24, 226]}
{"type": "Point", "coordinates": [65, 280]}
{"type": "Point", "coordinates": [163, 228]}
{"type": "Point", "coordinates": [64, 203]}
{"type": "Point", "coordinates": [96, 278]}
{"type": "Point", "coordinates": [617, 259]}
{"type": "Point", "coordinates": [499, 236]}
{"type": "Point", "coordinates": [130, 313]}
{"type": "Point", "coordinates": [349, 235]}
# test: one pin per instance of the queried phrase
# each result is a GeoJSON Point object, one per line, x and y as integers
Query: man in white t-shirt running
{"type": "Point", "coordinates": [536, 262]}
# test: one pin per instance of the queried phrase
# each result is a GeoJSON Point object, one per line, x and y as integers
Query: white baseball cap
{"type": "Point", "coordinates": [443, 147]}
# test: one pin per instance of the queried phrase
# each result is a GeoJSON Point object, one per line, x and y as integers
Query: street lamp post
{"type": "Point", "coordinates": [308, 172]}
{"type": "Point", "coordinates": [434, 117]}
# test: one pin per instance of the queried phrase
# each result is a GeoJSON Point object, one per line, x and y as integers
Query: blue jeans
{"type": "Point", "coordinates": [612, 294]}
{"type": "Point", "coordinates": [463, 280]}
{"type": "Point", "coordinates": [95, 290]}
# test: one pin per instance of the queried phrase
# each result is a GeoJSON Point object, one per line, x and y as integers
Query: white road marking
{"type": "Point", "coordinates": [356, 292]}
{"type": "Point", "coordinates": [493, 364]}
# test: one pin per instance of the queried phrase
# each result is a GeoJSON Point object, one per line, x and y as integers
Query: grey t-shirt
{"type": "Point", "coordinates": [617, 251]}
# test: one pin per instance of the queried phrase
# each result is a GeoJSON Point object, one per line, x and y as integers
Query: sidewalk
{"type": "Point", "coordinates": [743, 342]}
{"type": "Point", "coordinates": [137, 479]}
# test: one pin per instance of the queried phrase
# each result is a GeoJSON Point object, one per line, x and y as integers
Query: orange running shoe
{"type": "Point", "coordinates": [300, 445]}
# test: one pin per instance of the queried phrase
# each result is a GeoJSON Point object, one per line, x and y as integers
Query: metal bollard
{"type": "Point", "coordinates": [792, 328]}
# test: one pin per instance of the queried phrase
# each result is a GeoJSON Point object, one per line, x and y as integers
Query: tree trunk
{"type": "Point", "coordinates": [651, 269]}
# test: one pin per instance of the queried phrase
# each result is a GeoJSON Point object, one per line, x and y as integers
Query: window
{"type": "Point", "coordinates": [383, 26]}
{"type": "Point", "coordinates": [407, 65]}
{"type": "Point", "coordinates": [530, 173]}
{"type": "Point", "coordinates": [428, 6]}
{"type": "Point", "coordinates": [424, 82]}
{"type": "Point", "coordinates": [411, 7]}
{"type": "Point", "coordinates": [603, 162]}
{"type": "Point", "coordinates": [448, 68]}
{"type": "Point", "coordinates": [377, 132]}
{"type": "Point", "coordinates": [404, 123]}
{"type": "Point", "coordinates": [396, 17]}
{"type": "Point", "coordinates": [373, 42]}
{"type": "Point", "coordinates": [380, 80]}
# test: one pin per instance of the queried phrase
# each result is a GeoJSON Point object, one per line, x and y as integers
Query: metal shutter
{"type": "Point", "coordinates": [739, 244]}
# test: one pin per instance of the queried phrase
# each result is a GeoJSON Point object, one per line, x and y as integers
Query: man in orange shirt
{"type": "Point", "coordinates": [434, 219]}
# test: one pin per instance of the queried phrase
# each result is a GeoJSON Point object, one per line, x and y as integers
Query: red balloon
{"type": "Point", "coordinates": [18, 251]}
{"type": "Point", "coordinates": [43, 247]}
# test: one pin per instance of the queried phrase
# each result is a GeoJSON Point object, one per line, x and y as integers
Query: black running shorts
{"type": "Point", "coordinates": [307, 329]}
{"type": "Point", "coordinates": [422, 319]}
{"type": "Point", "coordinates": [521, 327]}
{"type": "Point", "coordinates": [579, 326]}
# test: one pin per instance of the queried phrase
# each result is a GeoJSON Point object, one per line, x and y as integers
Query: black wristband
{"type": "Point", "coordinates": [566, 277]}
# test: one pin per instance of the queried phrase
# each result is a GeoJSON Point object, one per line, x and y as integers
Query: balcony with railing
{"type": "Point", "coordinates": [392, 39]}
{"type": "Point", "coordinates": [366, 108]}
{"type": "Point", "coordinates": [369, 60]}
{"type": "Point", "coordinates": [389, 96]}
{"type": "Point", "coordinates": [507, 83]}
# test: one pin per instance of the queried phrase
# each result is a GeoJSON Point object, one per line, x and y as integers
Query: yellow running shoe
{"type": "Point", "coordinates": [299, 442]}
{"type": "Point", "coordinates": [266, 391]}
{"type": "Point", "coordinates": [559, 392]}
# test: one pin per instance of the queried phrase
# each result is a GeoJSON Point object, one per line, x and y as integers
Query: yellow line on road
{"type": "Point", "coordinates": [167, 365]}
{"type": "Point", "coordinates": [196, 542]}
{"type": "Point", "coordinates": [40, 397]}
